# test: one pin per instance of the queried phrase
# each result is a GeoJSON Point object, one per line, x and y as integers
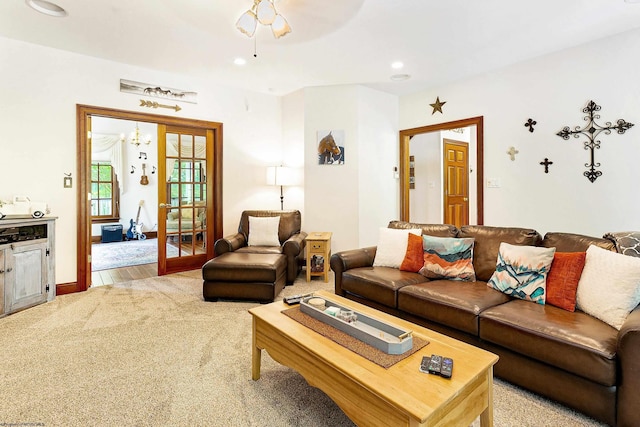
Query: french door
{"type": "Point", "coordinates": [190, 179]}
{"type": "Point", "coordinates": [184, 208]}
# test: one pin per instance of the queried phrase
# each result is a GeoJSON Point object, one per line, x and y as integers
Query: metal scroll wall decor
{"type": "Point", "coordinates": [591, 131]}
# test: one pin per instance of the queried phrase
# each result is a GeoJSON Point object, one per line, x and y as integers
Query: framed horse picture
{"type": "Point", "coordinates": [330, 147]}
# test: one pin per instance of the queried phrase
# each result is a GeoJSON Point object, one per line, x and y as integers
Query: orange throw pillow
{"type": "Point", "coordinates": [563, 278]}
{"type": "Point", "coordinates": [413, 259]}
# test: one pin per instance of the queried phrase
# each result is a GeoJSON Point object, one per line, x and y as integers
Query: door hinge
{"type": "Point", "coordinates": [48, 252]}
{"type": "Point", "coordinates": [47, 287]}
{"type": "Point", "coordinates": [88, 258]}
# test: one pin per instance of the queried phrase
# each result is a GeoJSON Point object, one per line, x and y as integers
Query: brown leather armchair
{"type": "Point", "coordinates": [291, 240]}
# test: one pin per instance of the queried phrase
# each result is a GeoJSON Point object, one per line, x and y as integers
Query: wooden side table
{"type": "Point", "coordinates": [318, 251]}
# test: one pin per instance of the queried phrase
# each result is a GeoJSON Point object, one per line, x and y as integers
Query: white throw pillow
{"type": "Point", "coordinates": [609, 287]}
{"type": "Point", "coordinates": [263, 231]}
{"type": "Point", "coordinates": [392, 246]}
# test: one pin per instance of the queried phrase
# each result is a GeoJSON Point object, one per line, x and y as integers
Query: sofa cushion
{"type": "Point", "coordinates": [260, 250]}
{"type": "Point", "coordinates": [570, 242]}
{"type": "Point", "coordinates": [414, 257]}
{"type": "Point", "coordinates": [609, 287]}
{"type": "Point", "coordinates": [563, 279]}
{"type": "Point", "coordinates": [521, 271]}
{"type": "Point", "coordinates": [440, 230]}
{"type": "Point", "coordinates": [290, 222]}
{"type": "Point", "coordinates": [448, 258]}
{"type": "Point", "coordinates": [454, 304]}
{"type": "Point", "coordinates": [392, 246]}
{"type": "Point", "coordinates": [379, 284]}
{"type": "Point", "coordinates": [487, 244]}
{"type": "Point", "coordinates": [575, 342]}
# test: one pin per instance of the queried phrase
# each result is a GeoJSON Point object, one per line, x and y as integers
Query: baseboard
{"type": "Point", "coordinates": [66, 288]}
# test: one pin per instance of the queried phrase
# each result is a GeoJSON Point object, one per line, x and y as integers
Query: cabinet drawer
{"type": "Point", "coordinates": [319, 246]}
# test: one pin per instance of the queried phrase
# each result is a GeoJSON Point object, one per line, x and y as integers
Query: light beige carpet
{"type": "Point", "coordinates": [153, 353]}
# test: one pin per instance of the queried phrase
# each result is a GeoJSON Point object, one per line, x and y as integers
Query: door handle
{"type": "Point", "coordinates": [164, 205]}
{"type": "Point", "coordinates": [466, 199]}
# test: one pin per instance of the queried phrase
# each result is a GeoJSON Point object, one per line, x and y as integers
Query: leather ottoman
{"type": "Point", "coordinates": [244, 276]}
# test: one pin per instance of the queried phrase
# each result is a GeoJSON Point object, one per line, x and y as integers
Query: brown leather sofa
{"type": "Point", "coordinates": [291, 239]}
{"type": "Point", "coordinates": [570, 357]}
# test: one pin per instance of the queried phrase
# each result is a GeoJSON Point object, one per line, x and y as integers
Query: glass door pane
{"type": "Point", "coordinates": [185, 198]}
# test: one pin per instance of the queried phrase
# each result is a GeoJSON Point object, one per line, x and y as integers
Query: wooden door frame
{"type": "Point", "coordinates": [405, 138]}
{"type": "Point", "coordinates": [83, 182]}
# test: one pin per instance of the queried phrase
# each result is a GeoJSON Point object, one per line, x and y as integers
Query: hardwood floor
{"type": "Point", "coordinates": [123, 274]}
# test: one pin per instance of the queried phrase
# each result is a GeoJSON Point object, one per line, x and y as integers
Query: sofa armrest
{"type": "Point", "coordinates": [294, 245]}
{"type": "Point", "coordinates": [629, 370]}
{"type": "Point", "coordinates": [229, 243]}
{"type": "Point", "coordinates": [346, 260]}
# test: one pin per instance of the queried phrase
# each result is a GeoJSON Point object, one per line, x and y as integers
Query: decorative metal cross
{"type": "Point", "coordinates": [591, 131]}
{"type": "Point", "coordinates": [530, 123]}
{"type": "Point", "coordinates": [512, 152]}
{"type": "Point", "coordinates": [546, 164]}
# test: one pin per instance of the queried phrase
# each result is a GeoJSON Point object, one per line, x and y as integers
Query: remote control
{"type": "Point", "coordinates": [435, 364]}
{"type": "Point", "coordinates": [447, 367]}
{"type": "Point", "coordinates": [293, 299]}
{"type": "Point", "coordinates": [424, 365]}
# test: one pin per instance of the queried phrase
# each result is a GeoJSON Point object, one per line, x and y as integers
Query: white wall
{"type": "Point", "coordinates": [425, 200]}
{"type": "Point", "coordinates": [40, 88]}
{"type": "Point", "coordinates": [355, 199]}
{"type": "Point", "coordinates": [552, 90]}
{"type": "Point", "coordinates": [378, 191]}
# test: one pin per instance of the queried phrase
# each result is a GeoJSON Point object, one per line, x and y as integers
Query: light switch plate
{"type": "Point", "coordinates": [494, 183]}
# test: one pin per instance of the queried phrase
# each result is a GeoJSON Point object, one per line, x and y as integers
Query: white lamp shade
{"type": "Point", "coordinates": [280, 26]}
{"type": "Point", "coordinates": [266, 12]}
{"type": "Point", "coordinates": [247, 23]}
{"type": "Point", "coordinates": [280, 175]}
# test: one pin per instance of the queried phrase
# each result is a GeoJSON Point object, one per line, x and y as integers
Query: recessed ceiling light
{"type": "Point", "coordinates": [400, 77]}
{"type": "Point", "coordinates": [240, 61]}
{"type": "Point", "coordinates": [46, 7]}
{"type": "Point", "coordinates": [397, 65]}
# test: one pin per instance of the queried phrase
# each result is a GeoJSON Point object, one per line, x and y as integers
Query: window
{"type": "Point", "coordinates": [105, 193]}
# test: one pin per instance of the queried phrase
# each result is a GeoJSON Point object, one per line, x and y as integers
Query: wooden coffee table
{"type": "Point", "coordinates": [369, 394]}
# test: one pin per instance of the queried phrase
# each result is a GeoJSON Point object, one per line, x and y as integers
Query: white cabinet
{"type": "Point", "coordinates": [27, 275]}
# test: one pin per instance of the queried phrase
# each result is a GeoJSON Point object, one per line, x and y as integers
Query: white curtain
{"type": "Point", "coordinates": [187, 151]}
{"type": "Point", "coordinates": [108, 147]}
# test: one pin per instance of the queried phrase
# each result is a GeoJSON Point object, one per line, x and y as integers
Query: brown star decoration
{"type": "Point", "coordinates": [437, 106]}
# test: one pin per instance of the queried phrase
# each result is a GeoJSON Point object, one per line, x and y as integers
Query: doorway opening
{"type": "Point", "coordinates": [205, 150]}
{"type": "Point", "coordinates": [431, 158]}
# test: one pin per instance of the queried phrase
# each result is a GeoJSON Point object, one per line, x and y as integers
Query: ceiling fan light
{"type": "Point", "coordinates": [46, 7]}
{"type": "Point", "coordinates": [247, 23]}
{"type": "Point", "coordinates": [280, 27]}
{"type": "Point", "coordinates": [266, 12]}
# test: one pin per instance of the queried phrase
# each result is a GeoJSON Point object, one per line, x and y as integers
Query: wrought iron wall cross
{"type": "Point", "coordinates": [591, 131]}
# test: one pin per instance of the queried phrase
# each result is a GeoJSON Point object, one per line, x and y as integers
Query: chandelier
{"type": "Point", "coordinates": [264, 12]}
{"type": "Point", "coordinates": [136, 139]}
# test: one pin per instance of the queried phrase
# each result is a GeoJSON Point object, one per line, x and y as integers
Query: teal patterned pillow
{"type": "Point", "coordinates": [521, 271]}
{"type": "Point", "coordinates": [448, 258]}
